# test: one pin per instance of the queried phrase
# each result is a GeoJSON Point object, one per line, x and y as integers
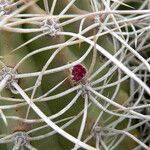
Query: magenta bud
{"type": "Point", "coordinates": [78, 72]}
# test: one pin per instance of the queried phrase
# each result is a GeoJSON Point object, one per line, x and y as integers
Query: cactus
{"type": "Point", "coordinates": [74, 74]}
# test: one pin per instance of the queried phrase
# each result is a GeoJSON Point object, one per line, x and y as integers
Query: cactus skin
{"type": "Point", "coordinates": [70, 54]}
{"type": "Point", "coordinates": [9, 41]}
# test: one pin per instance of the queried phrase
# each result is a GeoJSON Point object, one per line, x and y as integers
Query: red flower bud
{"type": "Point", "coordinates": [78, 72]}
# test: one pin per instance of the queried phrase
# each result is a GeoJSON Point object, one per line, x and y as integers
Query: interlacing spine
{"type": "Point", "coordinates": [74, 74]}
